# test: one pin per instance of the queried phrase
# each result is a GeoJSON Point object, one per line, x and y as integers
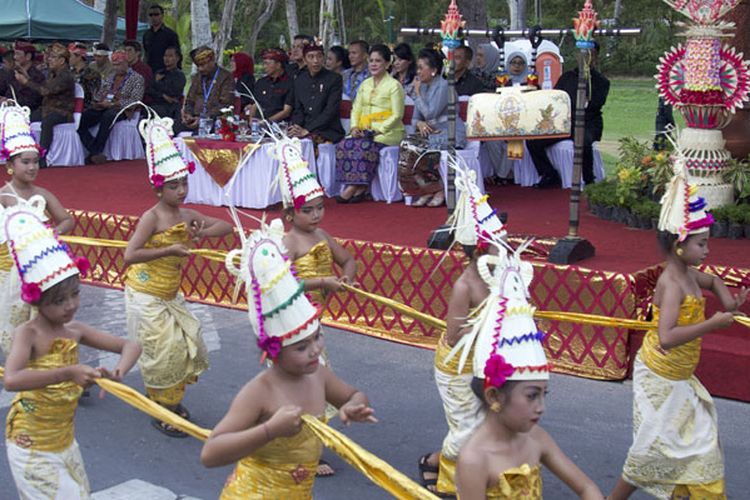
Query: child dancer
{"type": "Point", "coordinates": [262, 431]}
{"type": "Point", "coordinates": [502, 458]}
{"type": "Point", "coordinates": [21, 154]}
{"type": "Point", "coordinates": [43, 363]}
{"type": "Point", "coordinates": [173, 350]}
{"type": "Point", "coordinates": [475, 224]}
{"type": "Point", "coordinates": [312, 250]}
{"type": "Point", "coordinates": [675, 451]}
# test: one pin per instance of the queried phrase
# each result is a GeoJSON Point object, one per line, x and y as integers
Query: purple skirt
{"type": "Point", "coordinates": [357, 160]}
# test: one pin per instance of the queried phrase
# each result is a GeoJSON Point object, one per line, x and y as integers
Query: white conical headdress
{"type": "Point", "coordinates": [297, 183]}
{"type": "Point", "coordinates": [683, 212]}
{"type": "Point", "coordinates": [474, 221]}
{"type": "Point", "coordinates": [507, 343]}
{"type": "Point", "coordinates": [15, 131]}
{"type": "Point", "coordinates": [41, 259]}
{"type": "Point", "coordinates": [165, 163]}
{"type": "Point", "coordinates": [279, 311]}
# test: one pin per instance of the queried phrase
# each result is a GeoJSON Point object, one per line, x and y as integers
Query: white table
{"type": "Point", "coordinates": [252, 185]}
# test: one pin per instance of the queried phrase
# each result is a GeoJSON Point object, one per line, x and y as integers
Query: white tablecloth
{"type": "Point", "coordinates": [252, 187]}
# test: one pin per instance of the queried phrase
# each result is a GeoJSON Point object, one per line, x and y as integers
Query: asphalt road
{"type": "Point", "coordinates": [591, 420]}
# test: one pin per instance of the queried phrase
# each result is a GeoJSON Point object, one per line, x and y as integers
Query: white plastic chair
{"type": "Point", "coordinates": [66, 149]}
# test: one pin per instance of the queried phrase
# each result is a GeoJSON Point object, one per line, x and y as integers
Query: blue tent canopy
{"type": "Point", "coordinates": [54, 20]}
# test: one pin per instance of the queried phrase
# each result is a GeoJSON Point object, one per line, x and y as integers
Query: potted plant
{"type": "Point", "coordinates": [608, 199]}
{"type": "Point", "coordinates": [736, 228]}
{"type": "Point", "coordinates": [721, 223]}
{"type": "Point", "coordinates": [593, 198]}
{"type": "Point", "coordinates": [737, 173]}
{"type": "Point", "coordinates": [659, 172]}
{"type": "Point", "coordinates": [746, 219]}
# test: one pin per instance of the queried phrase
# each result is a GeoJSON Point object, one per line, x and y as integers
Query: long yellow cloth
{"type": "Point", "coordinates": [588, 319]}
{"type": "Point", "coordinates": [375, 469]}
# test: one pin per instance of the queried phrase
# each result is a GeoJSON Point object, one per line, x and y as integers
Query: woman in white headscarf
{"type": "Point", "coordinates": [487, 64]}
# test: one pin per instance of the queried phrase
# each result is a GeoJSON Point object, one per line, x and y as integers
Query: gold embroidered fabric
{"type": "Point", "coordinates": [173, 349]}
{"type": "Point", "coordinates": [283, 468]}
{"type": "Point", "coordinates": [316, 263]}
{"type": "Point", "coordinates": [6, 262]}
{"type": "Point", "coordinates": [160, 277]}
{"type": "Point", "coordinates": [675, 432]}
{"type": "Point", "coordinates": [42, 419]}
{"type": "Point", "coordinates": [518, 483]}
{"type": "Point", "coordinates": [677, 363]}
{"type": "Point", "coordinates": [220, 159]}
{"type": "Point", "coordinates": [46, 474]}
{"type": "Point", "coordinates": [13, 310]}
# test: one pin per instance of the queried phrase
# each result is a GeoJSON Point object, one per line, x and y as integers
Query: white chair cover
{"type": "Point", "coordinates": [345, 111]}
{"type": "Point", "coordinates": [561, 156]}
{"type": "Point", "coordinates": [124, 141]}
{"type": "Point", "coordinates": [251, 189]}
{"type": "Point", "coordinates": [325, 169]}
{"type": "Point", "coordinates": [384, 186]}
{"type": "Point", "coordinates": [66, 149]}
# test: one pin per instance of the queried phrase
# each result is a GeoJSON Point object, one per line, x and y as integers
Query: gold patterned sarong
{"type": "Point", "coordinates": [463, 410]}
{"type": "Point", "coordinates": [173, 350]}
{"type": "Point", "coordinates": [13, 310]}
{"type": "Point", "coordinates": [518, 483]}
{"type": "Point", "coordinates": [283, 468]}
{"type": "Point", "coordinates": [39, 433]}
{"type": "Point", "coordinates": [675, 446]}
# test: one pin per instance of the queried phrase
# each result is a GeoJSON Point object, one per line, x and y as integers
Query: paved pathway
{"type": "Point", "coordinates": [127, 459]}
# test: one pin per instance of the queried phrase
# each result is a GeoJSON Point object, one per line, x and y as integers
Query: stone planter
{"type": "Point", "coordinates": [719, 229]}
{"type": "Point", "coordinates": [735, 231]}
{"type": "Point", "coordinates": [632, 220]}
{"type": "Point", "coordinates": [644, 222]}
{"type": "Point", "coordinates": [747, 231]}
{"type": "Point", "coordinates": [605, 212]}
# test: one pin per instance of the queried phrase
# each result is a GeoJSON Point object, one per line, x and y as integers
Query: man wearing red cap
{"type": "Point", "coordinates": [273, 90]}
{"type": "Point", "coordinates": [24, 58]}
{"type": "Point", "coordinates": [85, 75]}
{"type": "Point", "coordinates": [317, 97]}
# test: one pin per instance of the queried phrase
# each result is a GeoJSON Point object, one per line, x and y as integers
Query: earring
{"type": "Point", "coordinates": [288, 218]}
{"type": "Point", "coordinates": [433, 73]}
{"type": "Point", "coordinates": [158, 195]}
{"type": "Point", "coordinates": [679, 252]}
{"type": "Point", "coordinates": [9, 170]}
{"type": "Point", "coordinates": [496, 407]}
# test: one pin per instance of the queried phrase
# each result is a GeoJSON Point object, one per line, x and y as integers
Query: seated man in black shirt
{"type": "Point", "coordinates": [167, 87]}
{"type": "Point", "coordinates": [466, 82]}
{"type": "Point", "coordinates": [593, 123]}
{"type": "Point", "coordinates": [272, 91]}
{"type": "Point", "coordinates": [317, 98]}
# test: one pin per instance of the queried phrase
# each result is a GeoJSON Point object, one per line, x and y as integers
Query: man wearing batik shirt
{"type": "Point", "coordinates": [211, 89]}
{"type": "Point", "coordinates": [358, 72]}
{"type": "Point", "coordinates": [316, 101]}
{"type": "Point", "coordinates": [273, 91]}
{"type": "Point", "coordinates": [121, 89]}
{"type": "Point", "coordinates": [25, 95]}
{"type": "Point", "coordinates": [86, 76]}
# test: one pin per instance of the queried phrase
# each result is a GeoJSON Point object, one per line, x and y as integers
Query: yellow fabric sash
{"type": "Point", "coordinates": [316, 263]}
{"type": "Point", "coordinates": [42, 419]}
{"type": "Point", "coordinates": [6, 263]}
{"type": "Point", "coordinates": [365, 122]}
{"type": "Point", "coordinates": [518, 483]}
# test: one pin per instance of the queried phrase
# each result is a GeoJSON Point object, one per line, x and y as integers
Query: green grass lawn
{"type": "Point", "coordinates": [630, 110]}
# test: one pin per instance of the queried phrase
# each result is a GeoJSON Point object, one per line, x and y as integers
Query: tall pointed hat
{"type": "Point", "coordinates": [15, 131]}
{"type": "Point", "coordinates": [297, 183]}
{"type": "Point", "coordinates": [165, 163]}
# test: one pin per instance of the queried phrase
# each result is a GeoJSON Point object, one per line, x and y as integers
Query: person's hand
{"type": "Point", "coordinates": [740, 298]}
{"type": "Point", "coordinates": [159, 77]}
{"type": "Point", "coordinates": [424, 129]}
{"type": "Point", "coordinates": [345, 280]}
{"type": "Point", "coordinates": [84, 375]}
{"type": "Point", "coordinates": [331, 284]}
{"type": "Point", "coordinates": [178, 250]}
{"type": "Point", "coordinates": [111, 375]}
{"type": "Point", "coordinates": [286, 422]}
{"type": "Point", "coordinates": [356, 132]}
{"type": "Point", "coordinates": [22, 77]}
{"type": "Point", "coordinates": [196, 230]}
{"type": "Point", "coordinates": [351, 412]}
{"type": "Point", "coordinates": [250, 110]}
{"type": "Point", "coordinates": [417, 86]}
{"type": "Point", "coordinates": [722, 319]}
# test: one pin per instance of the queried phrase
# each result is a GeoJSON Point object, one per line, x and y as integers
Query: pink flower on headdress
{"type": "Point", "coordinates": [299, 201]}
{"type": "Point", "coordinates": [483, 242]}
{"type": "Point", "coordinates": [31, 293]}
{"type": "Point", "coordinates": [497, 371]}
{"type": "Point", "coordinates": [83, 265]}
{"type": "Point", "coordinates": [271, 345]}
{"type": "Point", "coordinates": [191, 167]}
{"type": "Point", "coordinates": [42, 151]}
{"type": "Point", "coordinates": [157, 180]}
{"type": "Point", "coordinates": [5, 153]}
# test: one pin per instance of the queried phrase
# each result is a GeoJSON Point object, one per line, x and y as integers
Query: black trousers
{"type": "Point", "coordinates": [538, 150]}
{"type": "Point", "coordinates": [105, 118]}
{"type": "Point", "coordinates": [48, 125]}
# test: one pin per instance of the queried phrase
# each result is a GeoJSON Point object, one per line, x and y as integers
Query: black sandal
{"type": "Point", "coordinates": [181, 411]}
{"type": "Point", "coordinates": [167, 429]}
{"type": "Point", "coordinates": [425, 467]}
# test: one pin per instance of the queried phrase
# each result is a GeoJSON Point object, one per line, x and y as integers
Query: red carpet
{"type": "Point", "coordinates": [123, 188]}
